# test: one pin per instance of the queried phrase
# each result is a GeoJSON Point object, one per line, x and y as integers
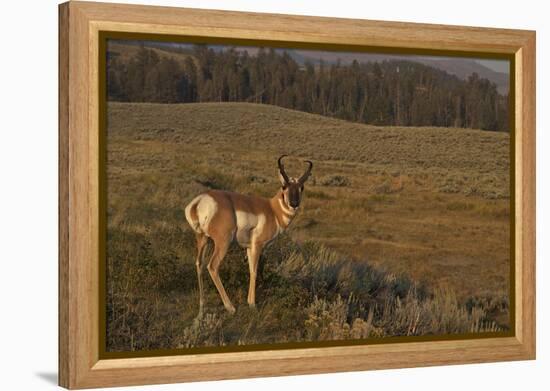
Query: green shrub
{"type": "Point", "coordinates": [305, 292]}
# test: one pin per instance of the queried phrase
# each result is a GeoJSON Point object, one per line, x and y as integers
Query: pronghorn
{"type": "Point", "coordinates": [252, 221]}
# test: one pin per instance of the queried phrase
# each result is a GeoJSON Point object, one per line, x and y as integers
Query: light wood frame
{"type": "Point", "coordinates": [79, 27]}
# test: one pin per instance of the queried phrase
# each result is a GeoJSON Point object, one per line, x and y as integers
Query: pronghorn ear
{"type": "Point", "coordinates": [282, 180]}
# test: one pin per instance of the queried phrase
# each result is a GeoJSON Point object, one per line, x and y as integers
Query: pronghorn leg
{"type": "Point", "coordinates": [202, 240]}
{"type": "Point", "coordinates": [253, 260]}
{"type": "Point", "coordinates": [220, 249]}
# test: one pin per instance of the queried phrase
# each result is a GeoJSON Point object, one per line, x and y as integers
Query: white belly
{"type": "Point", "coordinates": [249, 226]}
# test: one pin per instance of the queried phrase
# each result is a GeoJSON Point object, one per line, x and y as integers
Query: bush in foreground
{"type": "Point", "coordinates": [305, 292]}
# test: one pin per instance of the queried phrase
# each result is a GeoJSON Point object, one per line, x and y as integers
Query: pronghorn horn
{"type": "Point", "coordinates": [282, 169]}
{"type": "Point", "coordinates": [306, 175]}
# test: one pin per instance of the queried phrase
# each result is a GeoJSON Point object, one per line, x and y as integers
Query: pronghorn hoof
{"type": "Point", "coordinates": [231, 310]}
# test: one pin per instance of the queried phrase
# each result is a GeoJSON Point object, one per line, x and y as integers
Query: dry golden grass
{"type": "Point", "coordinates": [428, 204]}
{"type": "Point", "coordinates": [419, 200]}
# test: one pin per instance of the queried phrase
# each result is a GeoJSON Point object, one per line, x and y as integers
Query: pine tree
{"type": "Point", "coordinates": [382, 93]}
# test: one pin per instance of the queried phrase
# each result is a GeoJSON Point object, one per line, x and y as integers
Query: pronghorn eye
{"type": "Point", "coordinates": [302, 188]}
{"type": "Point", "coordinates": [284, 187]}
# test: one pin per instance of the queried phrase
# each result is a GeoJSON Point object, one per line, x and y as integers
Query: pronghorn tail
{"type": "Point", "coordinates": [191, 214]}
{"type": "Point", "coordinates": [200, 211]}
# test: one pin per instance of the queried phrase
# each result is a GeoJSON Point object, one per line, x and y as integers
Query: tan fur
{"type": "Point", "coordinates": [253, 222]}
{"type": "Point", "coordinates": [269, 217]}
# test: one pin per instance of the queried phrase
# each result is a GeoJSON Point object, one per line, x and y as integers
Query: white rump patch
{"type": "Point", "coordinates": [206, 209]}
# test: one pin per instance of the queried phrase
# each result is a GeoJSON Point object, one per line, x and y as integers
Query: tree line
{"type": "Point", "coordinates": [399, 93]}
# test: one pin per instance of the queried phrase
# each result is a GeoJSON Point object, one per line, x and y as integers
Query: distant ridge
{"type": "Point", "coordinates": [383, 90]}
{"type": "Point", "coordinates": [460, 67]}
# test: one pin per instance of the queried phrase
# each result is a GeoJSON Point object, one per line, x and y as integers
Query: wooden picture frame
{"type": "Point", "coordinates": [80, 25]}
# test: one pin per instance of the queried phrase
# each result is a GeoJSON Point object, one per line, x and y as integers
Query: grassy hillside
{"type": "Point", "coordinates": [394, 93]}
{"type": "Point", "coordinates": [394, 215]}
{"type": "Point", "coordinates": [459, 160]}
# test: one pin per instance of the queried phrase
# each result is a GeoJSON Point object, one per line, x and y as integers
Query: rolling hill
{"type": "Point", "coordinates": [413, 199]}
{"type": "Point", "coordinates": [398, 227]}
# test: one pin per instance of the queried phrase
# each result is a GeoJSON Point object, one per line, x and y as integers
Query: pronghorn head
{"type": "Point", "coordinates": [292, 188]}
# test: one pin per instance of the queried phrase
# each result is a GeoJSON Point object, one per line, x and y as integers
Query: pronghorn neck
{"type": "Point", "coordinates": [283, 213]}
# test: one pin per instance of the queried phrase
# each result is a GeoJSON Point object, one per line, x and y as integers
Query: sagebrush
{"type": "Point", "coordinates": [383, 246]}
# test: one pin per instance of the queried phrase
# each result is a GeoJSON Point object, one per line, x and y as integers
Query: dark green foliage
{"type": "Point", "coordinates": [388, 93]}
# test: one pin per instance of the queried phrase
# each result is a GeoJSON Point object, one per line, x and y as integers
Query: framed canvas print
{"type": "Point", "coordinates": [249, 195]}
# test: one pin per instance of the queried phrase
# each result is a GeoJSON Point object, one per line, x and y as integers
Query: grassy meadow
{"type": "Point", "coordinates": [403, 231]}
